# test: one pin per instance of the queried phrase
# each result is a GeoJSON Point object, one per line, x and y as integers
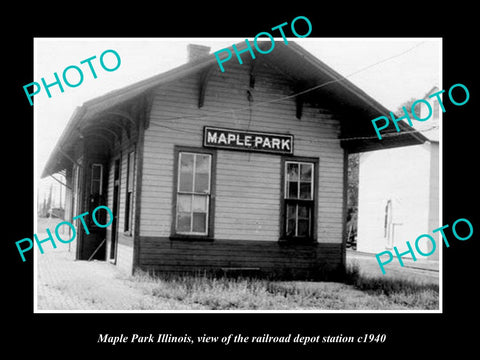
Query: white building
{"type": "Point", "coordinates": [399, 191]}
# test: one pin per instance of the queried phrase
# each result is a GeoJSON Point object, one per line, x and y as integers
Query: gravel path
{"type": "Point", "coordinates": [63, 283]}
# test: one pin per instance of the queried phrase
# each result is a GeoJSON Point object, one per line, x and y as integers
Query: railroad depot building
{"type": "Point", "coordinates": [206, 170]}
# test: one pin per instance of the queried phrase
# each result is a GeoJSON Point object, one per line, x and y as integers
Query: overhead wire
{"type": "Point", "coordinates": [251, 105]}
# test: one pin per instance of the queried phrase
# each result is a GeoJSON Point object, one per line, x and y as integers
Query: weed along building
{"type": "Point", "coordinates": [210, 170]}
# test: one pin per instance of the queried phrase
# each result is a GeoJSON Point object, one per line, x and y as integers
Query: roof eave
{"type": "Point", "coordinates": [58, 152]}
{"type": "Point", "coordinates": [95, 106]}
{"type": "Point", "coordinates": [409, 137]}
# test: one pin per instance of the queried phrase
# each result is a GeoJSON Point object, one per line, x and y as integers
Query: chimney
{"type": "Point", "coordinates": [196, 52]}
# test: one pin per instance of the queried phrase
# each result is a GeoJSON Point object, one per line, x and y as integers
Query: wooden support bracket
{"type": "Point", "coordinates": [204, 77]}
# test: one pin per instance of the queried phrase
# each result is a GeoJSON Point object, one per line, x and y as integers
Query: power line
{"type": "Point", "coordinates": [297, 93]}
{"type": "Point", "coordinates": [401, 133]}
{"type": "Point", "coordinates": [251, 105]}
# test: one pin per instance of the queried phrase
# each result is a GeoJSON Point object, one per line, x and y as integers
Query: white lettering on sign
{"type": "Point", "coordinates": [248, 140]}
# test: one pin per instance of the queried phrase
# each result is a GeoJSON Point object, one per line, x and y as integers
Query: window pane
{"type": "Point", "coordinates": [96, 186]}
{"type": "Point", "coordinates": [292, 190]}
{"type": "Point", "coordinates": [202, 183]}
{"type": "Point", "coordinates": [199, 222]}
{"type": "Point", "coordinates": [291, 211]}
{"type": "Point", "coordinates": [202, 173]}
{"type": "Point", "coordinates": [184, 203]}
{"type": "Point", "coordinates": [303, 227]}
{"type": "Point", "coordinates": [291, 219]}
{"type": "Point", "coordinates": [306, 172]}
{"type": "Point", "coordinates": [291, 227]}
{"type": "Point", "coordinates": [131, 166]}
{"type": "Point", "coordinates": [203, 163]}
{"type": "Point", "coordinates": [303, 212]}
{"type": "Point", "coordinates": [305, 190]}
{"type": "Point", "coordinates": [186, 172]}
{"type": "Point", "coordinates": [96, 172]}
{"type": "Point", "coordinates": [292, 172]}
{"type": "Point", "coordinates": [183, 222]}
{"type": "Point", "coordinates": [199, 203]}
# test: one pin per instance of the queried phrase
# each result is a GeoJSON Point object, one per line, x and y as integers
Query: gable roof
{"type": "Point", "coordinates": [317, 82]}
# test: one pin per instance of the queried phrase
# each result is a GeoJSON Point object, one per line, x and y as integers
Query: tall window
{"type": "Point", "coordinates": [193, 193]}
{"type": "Point", "coordinates": [97, 177]}
{"type": "Point", "coordinates": [129, 195]}
{"type": "Point", "coordinates": [299, 203]}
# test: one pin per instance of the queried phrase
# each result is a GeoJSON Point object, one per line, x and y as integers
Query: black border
{"type": "Point", "coordinates": [419, 334]}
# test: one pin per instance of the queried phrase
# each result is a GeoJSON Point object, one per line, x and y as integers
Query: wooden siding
{"type": "Point", "coordinates": [125, 257]}
{"type": "Point", "coordinates": [109, 192]}
{"type": "Point", "coordinates": [248, 207]}
{"type": "Point", "coordinates": [248, 184]}
{"type": "Point", "coordinates": [124, 254]}
{"type": "Point", "coordinates": [163, 255]}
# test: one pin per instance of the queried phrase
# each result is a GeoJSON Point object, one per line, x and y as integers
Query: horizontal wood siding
{"type": "Point", "coordinates": [110, 205]}
{"type": "Point", "coordinates": [247, 184]}
{"type": "Point", "coordinates": [124, 257]}
{"type": "Point", "coordinates": [247, 206]}
{"type": "Point", "coordinates": [164, 255]}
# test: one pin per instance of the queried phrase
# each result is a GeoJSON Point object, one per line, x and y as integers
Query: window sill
{"type": "Point", "coordinates": [180, 237]}
{"type": "Point", "coordinates": [297, 241]}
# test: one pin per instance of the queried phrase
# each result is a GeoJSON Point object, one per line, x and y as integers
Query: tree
{"type": "Point", "coordinates": [352, 199]}
{"type": "Point", "coordinates": [353, 167]}
{"type": "Point", "coordinates": [408, 105]}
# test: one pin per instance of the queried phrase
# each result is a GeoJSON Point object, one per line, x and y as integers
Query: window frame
{"type": "Point", "coordinates": [100, 180]}
{"type": "Point", "coordinates": [313, 202]}
{"type": "Point", "coordinates": [129, 192]}
{"type": "Point", "coordinates": [210, 220]}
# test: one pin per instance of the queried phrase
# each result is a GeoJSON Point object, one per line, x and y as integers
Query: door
{"type": "Point", "coordinates": [116, 194]}
{"type": "Point", "coordinates": [77, 194]}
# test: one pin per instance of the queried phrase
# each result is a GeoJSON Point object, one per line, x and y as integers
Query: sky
{"type": "Point", "coordinates": [392, 71]}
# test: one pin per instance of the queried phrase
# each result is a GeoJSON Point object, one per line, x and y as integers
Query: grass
{"type": "Point", "coordinates": [400, 289]}
{"type": "Point", "coordinates": [356, 292]}
{"type": "Point", "coordinates": [411, 292]}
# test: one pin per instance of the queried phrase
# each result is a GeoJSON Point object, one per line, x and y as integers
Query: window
{"type": "Point", "coordinates": [193, 193]}
{"type": "Point", "coordinates": [129, 195]}
{"type": "Point", "coordinates": [97, 178]}
{"type": "Point", "coordinates": [298, 200]}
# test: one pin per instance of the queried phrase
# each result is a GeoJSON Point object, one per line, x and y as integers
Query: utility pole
{"type": "Point", "coordinates": [49, 202]}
